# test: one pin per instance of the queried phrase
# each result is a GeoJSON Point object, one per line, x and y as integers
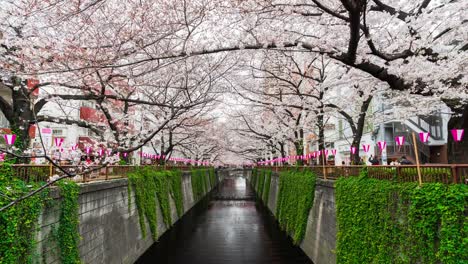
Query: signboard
{"type": "Point", "coordinates": [46, 134]}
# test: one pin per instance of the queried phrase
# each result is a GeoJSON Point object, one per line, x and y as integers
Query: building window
{"type": "Point", "coordinates": [57, 132]}
{"type": "Point", "coordinates": [88, 104]}
{"type": "Point", "coordinates": [3, 121]}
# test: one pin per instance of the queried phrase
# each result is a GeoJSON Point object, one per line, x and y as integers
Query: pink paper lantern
{"type": "Point", "coordinates": [2, 156]}
{"type": "Point", "coordinates": [457, 134]}
{"type": "Point", "coordinates": [318, 153]}
{"type": "Point", "coordinates": [334, 152]}
{"type": "Point", "coordinates": [424, 137]}
{"type": "Point", "coordinates": [125, 154]}
{"type": "Point", "coordinates": [74, 147]}
{"type": "Point", "coordinates": [88, 150]}
{"type": "Point", "coordinates": [10, 139]}
{"type": "Point", "coordinates": [382, 145]}
{"type": "Point", "coordinates": [100, 152]}
{"type": "Point", "coordinates": [353, 150]}
{"type": "Point", "coordinates": [400, 140]}
{"type": "Point", "coordinates": [58, 142]}
{"type": "Point", "coordinates": [109, 152]}
{"type": "Point", "coordinates": [366, 148]}
{"type": "Point", "coordinates": [325, 152]}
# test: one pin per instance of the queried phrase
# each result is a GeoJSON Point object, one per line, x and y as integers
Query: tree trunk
{"type": "Point", "coordinates": [299, 145]}
{"type": "Point", "coordinates": [321, 136]}
{"type": "Point", "coordinates": [21, 121]}
{"type": "Point", "coordinates": [357, 136]}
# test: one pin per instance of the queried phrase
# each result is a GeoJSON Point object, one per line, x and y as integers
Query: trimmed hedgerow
{"type": "Point", "coordinates": [295, 199]}
{"type": "Point", "coordinates": [381, 221]}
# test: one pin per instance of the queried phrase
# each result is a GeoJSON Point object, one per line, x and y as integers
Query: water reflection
{"type": "Point", "coordinates": [228, 228]}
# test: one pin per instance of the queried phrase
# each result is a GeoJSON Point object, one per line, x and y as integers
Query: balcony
{"type": "Point", "coordinates": [91, 115]}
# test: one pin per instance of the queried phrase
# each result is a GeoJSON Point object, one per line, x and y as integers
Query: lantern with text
{"type": "Point", "coordinates": [10, 139]}
{"type": "Point", "coordinates": [58, 142]}
{"type": "Point", "coordinates": [400, 140]}
{"type": "Point", "coordinates": [382, 145]}
{"type": "Point", "coordinates": [424, 137]}
{"type": "Point", "coordinates": [457, 134]}
{"type": "Point", "coordinates": [366, 148]}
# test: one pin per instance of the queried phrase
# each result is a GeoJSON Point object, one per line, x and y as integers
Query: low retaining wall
{"type": "Point", "coordinates": [110, 232]}
{"type": "Point", "coordinates": [320, 239]}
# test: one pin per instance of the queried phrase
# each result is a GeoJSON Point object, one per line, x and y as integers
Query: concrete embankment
{"type": "Point", "coordinates": [108, 225]}
{"type": "Point", "coordinates": [319, 241]}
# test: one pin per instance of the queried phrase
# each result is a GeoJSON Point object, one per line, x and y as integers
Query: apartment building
{"type": "Point", "coordinates": [339, 136]}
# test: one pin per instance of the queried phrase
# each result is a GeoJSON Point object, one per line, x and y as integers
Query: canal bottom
{"type": "Point", "coordinates": [229, 226]}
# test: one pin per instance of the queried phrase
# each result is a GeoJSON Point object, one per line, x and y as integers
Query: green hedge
{"type": "Point", "coordinates": [295, 199]}
{"type": "Point", "coordinates": [19, 223]}
{"type": "Point", "coordinates": [408, 174]}
{"type": "Point", "coordinates": [148, 184]}
{"type": "Point", "coordinates": [381, 221]}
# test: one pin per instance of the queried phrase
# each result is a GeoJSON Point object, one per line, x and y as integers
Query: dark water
{"type": "Point", "coordinates": [229, 227]}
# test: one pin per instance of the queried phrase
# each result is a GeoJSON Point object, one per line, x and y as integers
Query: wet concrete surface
{"type": "Point", "coordinates": [228, 227]}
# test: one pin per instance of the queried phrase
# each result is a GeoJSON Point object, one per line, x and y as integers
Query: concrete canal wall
{"type": "Point", "coordinates": [320, 238]}
{"type": "Point", "coordinates": [109, 228]}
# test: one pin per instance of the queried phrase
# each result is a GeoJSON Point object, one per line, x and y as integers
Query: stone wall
{"type": "Point", "coordinates": [109, 228]}
{"type": "Point", "coordinates": [320, 239]}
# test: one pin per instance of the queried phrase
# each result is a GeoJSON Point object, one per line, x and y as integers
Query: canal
{"type": "Point", "coordinates": [228, 226]}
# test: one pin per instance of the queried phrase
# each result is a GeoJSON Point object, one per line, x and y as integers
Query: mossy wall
{"type": "Point", "coordinates": [148, 184]}
{"type": "Point", "coordinates": [295, 198]}
{"type": "Point", "coordinates": [381, 221]}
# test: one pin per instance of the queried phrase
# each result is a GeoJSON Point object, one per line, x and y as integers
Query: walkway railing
{"type": "Point", "coordinates": [446, 173]}
{"type": "Point", "coordinates": [39, 173]}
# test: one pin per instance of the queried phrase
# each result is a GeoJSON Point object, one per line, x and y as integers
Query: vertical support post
{"type": "Point", "coordinates": [323, 164]}
{"type": "Point", "coordinates": [416, 153]}
{"type": "Point", "coordinates": [50, 169]}
{"type": "Point", "coordinates": [454, 173]}
{"type": "Point", "coordinates": [107, 173]}
{"type": "Point", "coordinates": [84, 176]}
{"type": "Point", "coordinates": [398, 172]}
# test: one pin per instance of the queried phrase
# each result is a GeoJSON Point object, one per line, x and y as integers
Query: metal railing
{"type": "Point", "coordinates": [38, 173]}
{"type": "Point", "coordinates": [446, 173]}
